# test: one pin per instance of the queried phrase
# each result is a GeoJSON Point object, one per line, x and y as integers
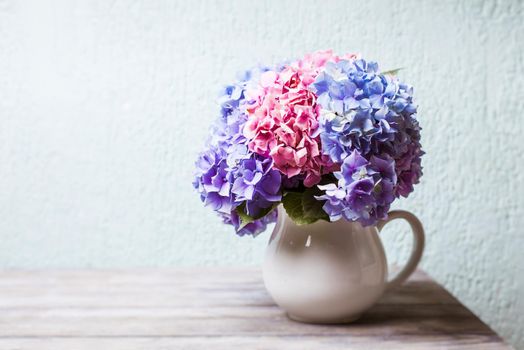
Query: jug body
{"type": "Point", "coordinates": [325, 272]}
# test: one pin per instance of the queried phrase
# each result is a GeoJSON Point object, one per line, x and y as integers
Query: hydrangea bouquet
{"type": "Point", "coordinates": [327, 136]}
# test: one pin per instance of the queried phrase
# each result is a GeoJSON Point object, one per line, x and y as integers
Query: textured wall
{"type": "Point", "coordinates": [104, 104]}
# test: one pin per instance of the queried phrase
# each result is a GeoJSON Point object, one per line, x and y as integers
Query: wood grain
{"type": "Point", "coordinates": [214, 308]}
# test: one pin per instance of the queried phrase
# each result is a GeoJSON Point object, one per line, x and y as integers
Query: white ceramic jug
{"type": "Point", "coordinates": [332, 272]}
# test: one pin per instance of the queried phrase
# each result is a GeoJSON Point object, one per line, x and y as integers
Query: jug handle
{"type": "Point", "coordinates": [418, 244]}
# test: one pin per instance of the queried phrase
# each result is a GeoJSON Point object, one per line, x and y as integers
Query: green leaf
{"type": "Point", "coordinates": [303, 208]}
{"type": "Point", "coordinates": [246, 219]}
{"type": "Point", "coordinates": [292, 202]}
{"type": "Point", "coordinates": [312, 206]}
{"type": "Point", "coordinates": [392, 71]}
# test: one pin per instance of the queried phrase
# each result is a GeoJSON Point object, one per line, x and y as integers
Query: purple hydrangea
{"type": "Point", "coordinates": [212, 180]}
{"type": "Point", "coordinates": [363, 192]}
{"type": "Point", "coordinates": [257, 184]}
{"type": "Point", "coordinates": [228, 174]}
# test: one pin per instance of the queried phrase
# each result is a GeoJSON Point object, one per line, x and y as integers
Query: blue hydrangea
{"type": "Point", "coordinates": [363, 110]}
{"type": "Point", "coordinates": [374, 115]}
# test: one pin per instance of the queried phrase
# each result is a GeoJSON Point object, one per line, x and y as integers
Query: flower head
{"type": "Point", "coordinates": [372, 113]}
{"type": "Point", "coordinates": [363, 192]}
{"type": "Point", "coordinates": [228, 173]}
{"type": "Point", "coordinates": [212, 180]}
{"type": "Point", "coordinates": [283, 120]}
{"type": "Point", "coordinates": [257, 184]}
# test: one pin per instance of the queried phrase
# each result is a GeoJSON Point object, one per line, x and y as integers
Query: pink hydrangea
{"type": "Point", "coordinates": [283, 119]}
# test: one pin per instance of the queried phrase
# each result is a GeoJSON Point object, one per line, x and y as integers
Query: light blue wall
{"type": "Point", "coordinates": [103, 106]}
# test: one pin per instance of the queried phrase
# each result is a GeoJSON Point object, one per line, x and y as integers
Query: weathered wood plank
{"type": "Point", "coordinates": [227, 321]}
{"type": "Point", "coordinates": [59, 289]}
{"type": "Point", "coordinates": [303, 342]}
{"type": "Point", "coordinates": [197, 308]}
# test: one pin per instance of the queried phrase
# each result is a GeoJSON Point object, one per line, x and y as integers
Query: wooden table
{"type": "Point", "coordinates": [214, 309]}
